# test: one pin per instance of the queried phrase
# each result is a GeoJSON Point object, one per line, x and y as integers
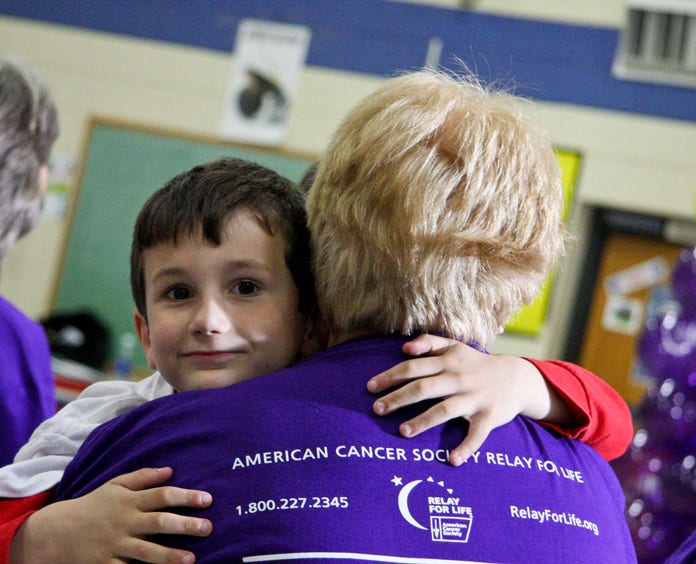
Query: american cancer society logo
{"type": "Point", "coordinates": [430, 505]}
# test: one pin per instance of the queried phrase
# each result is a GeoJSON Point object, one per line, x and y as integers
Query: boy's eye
{"type": "Point", "coordinates": [245, 287]}
{"type": "Point", "coordinates": [178, 293]}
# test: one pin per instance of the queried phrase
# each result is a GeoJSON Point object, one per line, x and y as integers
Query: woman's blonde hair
{"type": "Point", "coordinates": [437, 207]}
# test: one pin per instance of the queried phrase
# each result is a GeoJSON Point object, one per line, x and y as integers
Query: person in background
{"type": "Point", "coordinates": [436, 208]}
{"type": "Point", "coordinates": [28, 129]}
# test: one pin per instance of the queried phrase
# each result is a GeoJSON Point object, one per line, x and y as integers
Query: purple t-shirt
{"type": "Point", "coordinates": [301, 469]}
{"type": "Point", "coordinates": [27, 387]}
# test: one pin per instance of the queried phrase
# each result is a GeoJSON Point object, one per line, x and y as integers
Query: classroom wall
{"type": "Point", "coordinates": [590, 12]}
{"type": "Point", "coordinates": [147, 82]}
{"type": "Point", "coordinates": [630, 161]}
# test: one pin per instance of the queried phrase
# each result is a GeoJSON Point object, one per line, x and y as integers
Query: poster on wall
{"type": "Point", "coordinates": [61, 170]}
{"type": "Point", "coordinates": [268, 61]}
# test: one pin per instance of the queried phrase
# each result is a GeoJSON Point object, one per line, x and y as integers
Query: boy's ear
{"type": "Point", "coordinates": [143, 331]}
{"type": "Point", "coordinates": [316, 335]}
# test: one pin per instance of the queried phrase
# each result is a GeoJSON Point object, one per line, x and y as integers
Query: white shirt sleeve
{"type": "Point", "coordinates": [39, 464]}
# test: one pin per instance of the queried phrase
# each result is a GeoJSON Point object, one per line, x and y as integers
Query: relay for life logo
{"type": "Point", "coordinates": [431, 506]}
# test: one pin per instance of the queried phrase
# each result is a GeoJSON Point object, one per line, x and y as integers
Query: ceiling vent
{"type": "Point", "coordinates": [658, 43]}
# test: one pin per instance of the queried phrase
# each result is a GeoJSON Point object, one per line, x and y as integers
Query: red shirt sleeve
{"type": "Point", "coordinates": [13, 512]}
{"type": "Point", "coordinates": [603, 419]}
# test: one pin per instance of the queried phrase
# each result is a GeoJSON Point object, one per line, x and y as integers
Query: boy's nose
{"type": "Point", "coordinates": [211, 318]}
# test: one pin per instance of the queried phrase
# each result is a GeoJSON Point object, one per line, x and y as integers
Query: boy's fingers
{"type": "Point", "coordinates": [446, 410]}
{"type": "Point", "coordinates": [418, 346]}
{"type": "Point", "coordinates": [426, 343]}
{"type": "Point", "coordinates": [420, 390]}
{"type": "Point", "coordinates": [143, 478]}
{"type": "Point", "coordinates": [479, 429]}
{"type": "Point", "coordinates": [437, 363]}
{"type": "Point", "coordinates": [170, 496]}
{"type": "Point", "coordinates": [480, 426]}
{"type": "Point", "coordinates": [404, 372]}
{"type": "Point", "coordinates": [163, 523]}
{"type": "Point", "coordinates": [144, 481]}
{"type": "Point", "coordinates": [146, 551]}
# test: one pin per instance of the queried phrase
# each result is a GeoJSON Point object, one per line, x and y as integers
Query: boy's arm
{"type": "Point", "coordinates": [602, 418]}
{"type": "Point", "coordinates": [107, 525]}
{"type": "Point", "coordinates": [13, 512]}
{"type": "Point", "coordinates": [489, 390]}
{"type": "Point", "coordinates": [40, 463]}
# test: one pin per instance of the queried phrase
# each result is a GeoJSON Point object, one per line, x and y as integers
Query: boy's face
{"type": "Point", "coordinates": [220, 315]}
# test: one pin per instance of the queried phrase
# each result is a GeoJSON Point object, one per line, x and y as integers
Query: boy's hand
{"type": "Point", "coordinates": [109, 524]}
{"type": "Point", "coordinates": [487, 390]}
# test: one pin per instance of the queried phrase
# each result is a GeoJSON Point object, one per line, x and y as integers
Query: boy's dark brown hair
{"type": "Point", "coordinates": [200, 201]}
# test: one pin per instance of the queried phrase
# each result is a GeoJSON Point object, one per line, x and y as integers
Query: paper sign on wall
{"type": "Point", "coordinates": [637, 277]}
{"type": "Point", "coordinates": [622, 314]}
{"type": "Point", "coordinates": [61, 170]}
{"type": "Point", "coordinates": [269, 58]}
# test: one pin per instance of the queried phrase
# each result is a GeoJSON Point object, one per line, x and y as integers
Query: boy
{"type": "Point", "coordinates": [181, 234]}
{"type": "Point", "coordinates": [411, 210]}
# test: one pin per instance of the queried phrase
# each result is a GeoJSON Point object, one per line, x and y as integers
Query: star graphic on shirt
{"type": "Point", "coordinates": [397, 481]}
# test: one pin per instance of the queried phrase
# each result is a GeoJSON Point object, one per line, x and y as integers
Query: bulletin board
{"type": "Point", "coordinates": [530, 319]}
{"type": "Point", "coordinates": [122, 165]}
{"type": "Point", "coordinates": [608, 345]}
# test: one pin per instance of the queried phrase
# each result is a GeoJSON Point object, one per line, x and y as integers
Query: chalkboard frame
{"type": "Point", "coordinates": [123, 163]}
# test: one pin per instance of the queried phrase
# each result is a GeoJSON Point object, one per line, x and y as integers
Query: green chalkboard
{"type": "Point", "coordinates": [122, 165]}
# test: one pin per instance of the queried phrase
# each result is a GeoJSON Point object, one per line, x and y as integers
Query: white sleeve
{"type": "Point", "coordinates": [39, 464]}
